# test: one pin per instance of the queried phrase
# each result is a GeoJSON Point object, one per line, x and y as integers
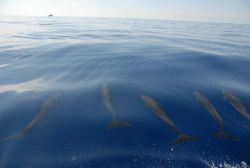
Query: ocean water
{"type": "Point", "coordinates": [58, 66]}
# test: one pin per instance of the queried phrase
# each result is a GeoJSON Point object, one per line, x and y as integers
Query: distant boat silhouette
{"type": "Point", "coordinates": [50, 15]}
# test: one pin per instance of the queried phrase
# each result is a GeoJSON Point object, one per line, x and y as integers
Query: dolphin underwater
{"type": "Point", "coordinates": [107, 100]}
{"type": "Point", "coordinates": [46, 106]}
{"type": "Point", "coordinates": [216, 116]}
{"type": "Point", "coordinates": [155, 107]}
{"type": "Point", "coordinates": [237, 104]}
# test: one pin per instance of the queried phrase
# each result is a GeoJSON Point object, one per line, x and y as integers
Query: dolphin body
{"type": "Point", "coordinates": [107, 100]}
{"type": "Point", "coordinates": [155, 107]}
{"type": "Point", "coordinates": [215, 114]}
{"type": "Point", "coordinates": [237, 104]}
{"type": "Point", "coordinates": [46, 106]}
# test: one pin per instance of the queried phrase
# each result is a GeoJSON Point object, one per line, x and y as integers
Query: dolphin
{"type": "Point", "coordinates": [46, 106]}
{"type": "Point", "coordinates": [237, 104]}
{"type": "Point", "coordinates": [215, 114]}
{"type": "Point", "coordinates": [155, 107]}
{"type": "Point", "coordinates": [107, 100]}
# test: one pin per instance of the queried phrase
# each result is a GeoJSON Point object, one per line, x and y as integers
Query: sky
{"type": "Point", "coordinates": [235, 11]}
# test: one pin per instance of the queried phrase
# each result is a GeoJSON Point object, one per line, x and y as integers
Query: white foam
{"type": "Point", "coordinates": [33, 85]}
{"type": "Point", "coordinates": [4, 65]}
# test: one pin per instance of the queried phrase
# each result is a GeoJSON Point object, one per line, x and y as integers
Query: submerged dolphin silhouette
{"type": "Point", "coordinates": [107, 100]}
{"type": "Point", "coordinates": [215, 114]}
{"type": "Point", "coordinates": [46, 106]}
{"type": "Point", "coordinates": [155, 107]}
{"type": "Point", "coordinates": [237, 104]}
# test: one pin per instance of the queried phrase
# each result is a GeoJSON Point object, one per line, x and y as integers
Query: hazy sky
{"type": "Point", "coordinates": [200, 10]}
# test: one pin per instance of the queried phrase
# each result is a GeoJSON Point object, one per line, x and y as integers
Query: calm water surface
{"type": "Point", "coordinates": [166, 60]}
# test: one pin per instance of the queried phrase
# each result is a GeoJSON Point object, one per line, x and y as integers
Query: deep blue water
{"type": "Point", "coordinates": [166, 60]}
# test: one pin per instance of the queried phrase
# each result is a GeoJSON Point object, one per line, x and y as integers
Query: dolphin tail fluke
{"type": "Point", "coordinates": [13, 137]}
{"type": "Point", "coordinates": [181, 138]}
{"type": "Point", "coordinates": [223, 134]}
{"type": "Point", "coordinates": [118, 124]}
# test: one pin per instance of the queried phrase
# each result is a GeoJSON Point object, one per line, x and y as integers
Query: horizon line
{"type": "Point", "coordinates": [136, 18]}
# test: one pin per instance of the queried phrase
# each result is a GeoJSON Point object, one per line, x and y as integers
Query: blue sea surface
{"type": "Point", "coordinates": [74, 58]}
